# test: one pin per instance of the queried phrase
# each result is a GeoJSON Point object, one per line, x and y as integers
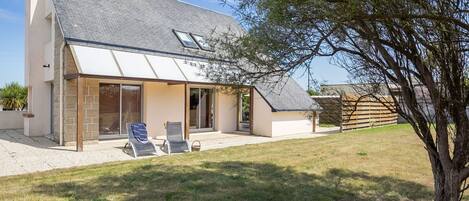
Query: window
{"type": "Point", "coordinates": [119, 105]}
{"type": "Point", "coordinates": [186, 39]}
{"type": "Point", "coordinates": [201, 42]}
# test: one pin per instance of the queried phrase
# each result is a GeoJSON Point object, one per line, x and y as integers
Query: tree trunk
{"type": "Point", "coordinates": [447, 185]}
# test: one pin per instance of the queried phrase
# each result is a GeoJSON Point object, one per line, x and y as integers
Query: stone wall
{"type": "Point", "coordinates": [91, 111]}
{"type": "Point", "coordinates": [91, 105]}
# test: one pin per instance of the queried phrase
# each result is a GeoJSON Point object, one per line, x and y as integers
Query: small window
{"type": "Point", "coordinates": [201, 42]}
{"type": "Point", "coordinates": [186, 40]}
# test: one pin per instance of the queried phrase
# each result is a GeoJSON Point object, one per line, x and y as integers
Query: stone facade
{"type": "Point", "coordinates": [91, 111]}
{"type": "Point", "coordinates": [91, 105]}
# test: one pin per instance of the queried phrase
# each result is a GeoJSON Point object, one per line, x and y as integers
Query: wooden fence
{"type": "Point", "coordinates": [354, 112]}
{"type": "Point", "coordinates": [331, 109]}
{"type": "Point", "coordinates": [364, 112]}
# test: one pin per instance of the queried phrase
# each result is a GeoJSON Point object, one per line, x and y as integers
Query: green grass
{"type": "Point", "coordinates": [387, 163]}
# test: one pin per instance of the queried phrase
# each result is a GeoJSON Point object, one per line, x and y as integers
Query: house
{"type": "Point", "coordinates": [93, 66]}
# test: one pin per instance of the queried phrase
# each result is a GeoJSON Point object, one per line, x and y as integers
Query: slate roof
{"type": "Point", "coordinates": [287, 96]}
{"type": "Point", "coordinates": [147, 26]}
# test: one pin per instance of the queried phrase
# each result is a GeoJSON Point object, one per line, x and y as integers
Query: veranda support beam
{"type": "Point", "coordinates": [314, 121]}
{"type": "Point", "coordinates": [186, 111]}
{"type": "Point", "coordinates": [251, 110]}
{"type": "Point", "coordinates": [80, 113]}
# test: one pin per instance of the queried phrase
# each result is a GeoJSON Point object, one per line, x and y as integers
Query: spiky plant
{"type": "Point", "coordinates": [13, 96]}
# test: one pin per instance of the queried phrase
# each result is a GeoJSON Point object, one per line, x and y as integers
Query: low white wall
{"type": "Point", "coordinates": [286, 123]}
{"type": "Point", "coordinates": [11, 120]}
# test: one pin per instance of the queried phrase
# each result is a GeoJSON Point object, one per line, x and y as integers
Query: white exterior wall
{"type": "Point", "coordinates": [285, 123]}
{"type": "Point", "coordinates": [11, 119]}
{"type": "Point", "coordinates": [38, 36]}
{"type": "Point", "coordinates": [262, 116]}
{"type": "Point", "coordinates": [225, 112]}
{"type": "Point", "coordinates": [272, 124]}
{"type": "Point", "coordinates": [162, 103]}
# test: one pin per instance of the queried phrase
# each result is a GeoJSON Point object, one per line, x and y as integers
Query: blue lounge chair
{"type": "Point", "coordinates": [138, 140]}
{"type": "Point", "coordinates": [175, 141]}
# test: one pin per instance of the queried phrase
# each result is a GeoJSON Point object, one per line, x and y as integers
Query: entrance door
{"type": "Point", "coordinates": [244, 109]}
{"type": "Point", "coordinates": [201, 109]}
{"type": "Point", "coordinates": [119, 105]}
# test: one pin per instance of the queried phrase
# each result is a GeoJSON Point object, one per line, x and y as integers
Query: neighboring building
{"type": "Point", "coordinates": [340, 89]}
{"type": "Point", "coordinates": [93, 66]}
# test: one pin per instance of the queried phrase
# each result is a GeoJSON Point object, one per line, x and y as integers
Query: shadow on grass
{"type": "Point", "coordinates": [235, 181]}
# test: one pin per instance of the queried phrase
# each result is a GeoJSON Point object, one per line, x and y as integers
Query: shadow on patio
{"type": "Point", "coordinates": [234, 180]}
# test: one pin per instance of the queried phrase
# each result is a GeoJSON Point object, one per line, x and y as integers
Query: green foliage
{"type": "Point", "coordinates": [13, 96]}
{"type": "Point", "coordinates": [312, 92]}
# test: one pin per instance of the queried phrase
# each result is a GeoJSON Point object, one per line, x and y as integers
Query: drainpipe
{"type": "Point", "coordinates": [61, 97]}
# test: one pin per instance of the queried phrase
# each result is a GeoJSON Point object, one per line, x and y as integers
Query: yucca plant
{"type": "Point", "coordinates": [13, 96]}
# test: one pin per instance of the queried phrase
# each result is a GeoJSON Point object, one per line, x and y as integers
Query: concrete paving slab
{"type": "Point", "coordinates": [20, 154]}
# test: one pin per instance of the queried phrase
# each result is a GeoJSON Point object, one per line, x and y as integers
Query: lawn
{"type": "Point", "coordinates": [387, 163]}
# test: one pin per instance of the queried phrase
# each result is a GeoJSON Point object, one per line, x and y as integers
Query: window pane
{"type": "Point", "coordinates": [131, 106]}
{"type": "Point", "coordinates": [186, 39]}
{"type": "Point", "coordinates": [192, 70]}
{"type": "Point", "coordinates": [165, 68]}
{"type": "Point", "coordinates": [134, 65]}
{"type": "Point", "coordinates": [95, 61]}
{"type": "Point", "coordinates": [109, 107]}
{"type": "Point", "coordinates": [201, 42]}
{"type": "Point", "coordinates": [206, 108]}
{"type": "Point", "coordinates": [194, 108]}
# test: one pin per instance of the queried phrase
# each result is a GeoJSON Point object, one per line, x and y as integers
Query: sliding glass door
{"type": "Point", "coordinates": [119, 105]}
{"type": "Point", "coordinates": [201, 109]}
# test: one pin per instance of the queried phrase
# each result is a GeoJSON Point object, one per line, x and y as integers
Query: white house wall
{"type": "Point", "coordinates": [162, 103]}
{"type": "Point", "coordinates": [286, 123]}
{"type": "Point", "coordinates": [262, 116]}
{"type": "Point", "coordinates": [38, 33]}
{"type": "Point", "coordinates": [226, 112]}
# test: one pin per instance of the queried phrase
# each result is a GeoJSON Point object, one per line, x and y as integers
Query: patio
{"type": "Point", "coordinates": [20, 154]}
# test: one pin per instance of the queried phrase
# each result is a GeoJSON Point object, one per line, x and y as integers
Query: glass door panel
{"type": "Point", "coordinates": [206, 104]}
{"type": "Point", "coordinates": [109, 109]}
{"type": "Point", "coordinates": [194, 108]}
{"type": "Point", "coordinates": [245, 106]}
{"type": "Point", "coordinates": [201, 109]}
{"type": "Point", "coordinates": [131, 106]}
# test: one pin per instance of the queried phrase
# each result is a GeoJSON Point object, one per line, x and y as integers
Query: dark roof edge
{"type": "Point", "coordinates": [75, 41]}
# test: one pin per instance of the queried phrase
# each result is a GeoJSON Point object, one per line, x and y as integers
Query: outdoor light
{"type": "Point", "coordinates": [46, 66]}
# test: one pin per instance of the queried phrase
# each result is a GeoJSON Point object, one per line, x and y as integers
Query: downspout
{"type": "Point", "coordinates": [61, 99]}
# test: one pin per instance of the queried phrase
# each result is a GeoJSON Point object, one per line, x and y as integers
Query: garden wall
{"type": "Point", "coordinates": [11, 120]}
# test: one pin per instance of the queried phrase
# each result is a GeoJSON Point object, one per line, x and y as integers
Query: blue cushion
{"type": "Point", "coordinates": [140, 133]}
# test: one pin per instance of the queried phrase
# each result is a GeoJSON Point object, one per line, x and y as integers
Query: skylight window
{"type": "Point", "coordinates": [186, 40]}
{"type": "Point", "coordinates": [202, 42]}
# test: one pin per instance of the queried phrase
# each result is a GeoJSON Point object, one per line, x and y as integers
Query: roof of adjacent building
{"type": "Point", "coordinates": [287, 95]}
{"type": "Point", "coordinates": [147, 26]}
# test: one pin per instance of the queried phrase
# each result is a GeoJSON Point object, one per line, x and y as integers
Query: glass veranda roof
{"type": "Point", "coordinates": [104, 62]}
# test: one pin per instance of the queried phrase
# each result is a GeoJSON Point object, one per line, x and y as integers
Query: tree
{"type": "Point", "coordinates": [415, 46]}
{"type": "Point", "coordinates": [312, 92]}
{"type": "Point", "coordinates": [13, 96]}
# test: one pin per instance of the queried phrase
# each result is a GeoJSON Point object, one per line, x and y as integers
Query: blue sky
{"type": "Point", "coordinates": [12, 45]}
